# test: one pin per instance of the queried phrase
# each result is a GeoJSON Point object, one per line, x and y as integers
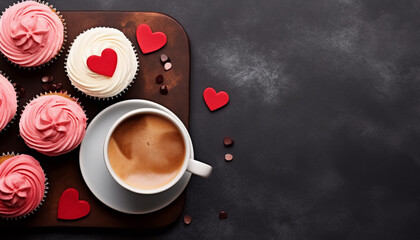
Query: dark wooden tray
{"type": "Point", "coordinates": [63, 171]}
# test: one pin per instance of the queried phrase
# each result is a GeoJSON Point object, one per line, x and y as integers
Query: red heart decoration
{"type": "Point", "coordinates": [148, 41]}
{"type": "Point", "coordinates": [70, 207]}
{"type": "Point", "coordinates": [215, 100]}
{"type": "Point", "coordinates": [104, 64]}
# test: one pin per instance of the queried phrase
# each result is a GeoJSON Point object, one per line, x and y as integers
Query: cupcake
{"type": "Point", "coordinates": [101, 63]}
{"type": "Point", "coordinates": [31, 34]}
{"type": "Point", "coordinates": [53, 124]}
{"type": "Point", "coordinates": [22, 186]}
{"type": "Point", "coordinates": [8, 102]}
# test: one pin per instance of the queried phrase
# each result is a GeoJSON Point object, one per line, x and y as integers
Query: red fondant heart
{"type": "Point", "coordinates": [104, 64]}
{"type": "Point", "coordinates": [70, 207]}
{"type": "Point", "coordinates": [148, 41]}
{"type": "Point", "coordinates": [215, 100]}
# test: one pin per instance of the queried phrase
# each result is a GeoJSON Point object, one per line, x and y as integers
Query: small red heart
{"type": "Point", "coordinates": [70, 207]}
{"type": "Point", "coordinates": [104, 64]}
{"type": "Point", "coordinates": [215, 100]}
{"type": "Point", "coordinates": [148, 41]}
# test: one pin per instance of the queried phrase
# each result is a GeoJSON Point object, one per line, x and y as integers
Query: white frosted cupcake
{"type": "Point", "coordinates": [98, 73]}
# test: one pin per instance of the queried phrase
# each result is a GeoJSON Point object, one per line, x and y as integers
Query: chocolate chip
{"type": "Point", "coordinates": [164, 58]}
{"type": "Point", "coordinates": [20, 91]}
{"type": "Point", "coordinates": [59, 86]}
{"type": "Point", "coordinates": [167, 66]}
{"type": "Point", "coordinates": [164, 89]}
{"type": "Point", "coordinates": [228, 157]}
{"type": "Point", "coordinates": [222, 215]}
{"type": "Point", "coordinates": [159, 79]}
{"type": "Point", "coordinates": [187, 219]}
{"type": "Point", "coordinates": [53, 87]}
{"type": "Point", "coordinates": [227, 141]}
{"type": "Point", "coordinates": [47, 79]}
{"type": "Point", "coordinates": [46, 87]}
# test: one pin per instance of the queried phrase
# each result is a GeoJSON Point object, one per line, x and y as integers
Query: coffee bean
{"type": "Point", "coordinates": [163, 89]}
{"type": "Point", "coordinates": [47, 79]}
{"type": "Point", "coordinates": [222, 215]}
{"type": "Point", "coordinates": [164, 58]}
{"type": "Point", "coordinates": [59, 86]}
{"type": "Point", "coordinates": [187, 219]}
{"type": "Point", "coordinates": [167, 66]}
{"type": "Point", "coordinates": [53, 87]}
{"type": "Point", "coordinates": [159, 79]}
{"type": "Point", "coordinates": [228, 157]}
{"type": "Point", "coordinates": [46, 87]}
{"type": "Point", "coordinates": [227, 141]}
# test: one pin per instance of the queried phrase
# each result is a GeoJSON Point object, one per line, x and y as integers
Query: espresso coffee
{"type": "Point", "coordinates": [146, 151]}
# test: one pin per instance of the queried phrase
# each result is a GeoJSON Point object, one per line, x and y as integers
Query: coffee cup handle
{"type": "Point", "coordinates": [199, 168]}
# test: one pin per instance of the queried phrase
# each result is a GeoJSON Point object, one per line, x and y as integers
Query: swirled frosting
{"type": "Point", "coordinates": [8, 102]}
{"type": "Point", "coordinates": [93, 42]}
{"type": "Point", "coordinates": [31, 34]}
{"type": "Point", "coordinates": [22, 186]}
{"type": "Point", "coordinates": [53, 125]}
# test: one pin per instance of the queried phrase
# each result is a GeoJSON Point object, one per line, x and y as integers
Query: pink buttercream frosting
{"type": "Point", "coordinates": [53, 125]}
{"type": "Point", "coordinates": [8, 102]}
{"type": "Point", "coordinates": [31, 34]}
{"type": "Point", "coordinates": [22, 186]}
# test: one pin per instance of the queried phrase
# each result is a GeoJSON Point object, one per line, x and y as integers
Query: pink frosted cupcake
{"type": "Point", "coordinates": [53, 124]}
{"type": "Point", "coordinates": [22, 186]}
{"type": "Point", "coordinates": [31, 33]}
{"type": "Point", "coordinates": [8, 102]}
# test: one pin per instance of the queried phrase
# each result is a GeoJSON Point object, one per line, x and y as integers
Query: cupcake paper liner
{"type": "Point", "coordinates": [62, 46]}
{"type": "Point", "coordinates": [12, 154]}
{"type": "Point", "coordinates": [17, 98]}
{"type": "Point", "coordinates": [98, 98]}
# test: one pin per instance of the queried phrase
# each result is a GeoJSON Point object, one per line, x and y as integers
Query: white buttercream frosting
{"type": "Point", "coordinates": [93, 42]}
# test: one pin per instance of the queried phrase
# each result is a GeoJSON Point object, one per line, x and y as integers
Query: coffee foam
{"type": "Point", "coordinates": [146, 151]}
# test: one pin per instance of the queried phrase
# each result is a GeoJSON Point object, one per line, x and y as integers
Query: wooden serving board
{"type": "Point", "coordinates": [63, 171]}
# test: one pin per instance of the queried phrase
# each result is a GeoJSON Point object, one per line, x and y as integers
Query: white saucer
{"type": "Point", "coordinates": [100, 181]}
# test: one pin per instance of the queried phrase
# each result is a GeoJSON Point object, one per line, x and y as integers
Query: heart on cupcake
{"type": "Point", "coordinates": [104, 64]}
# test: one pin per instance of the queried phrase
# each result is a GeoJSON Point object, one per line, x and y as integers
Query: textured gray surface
{"type": "Point", "coordinates": [325, 112]}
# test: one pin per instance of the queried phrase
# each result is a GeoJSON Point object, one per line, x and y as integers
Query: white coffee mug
{"type": "Point", "coordinates": [190, 165]}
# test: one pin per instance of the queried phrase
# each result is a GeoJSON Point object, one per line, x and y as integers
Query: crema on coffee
{"type": "Point", "coordinates": [146, 151]}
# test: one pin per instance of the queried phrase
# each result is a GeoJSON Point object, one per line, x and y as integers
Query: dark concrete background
{"type": "Point", "coordinates": [325, 113]}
